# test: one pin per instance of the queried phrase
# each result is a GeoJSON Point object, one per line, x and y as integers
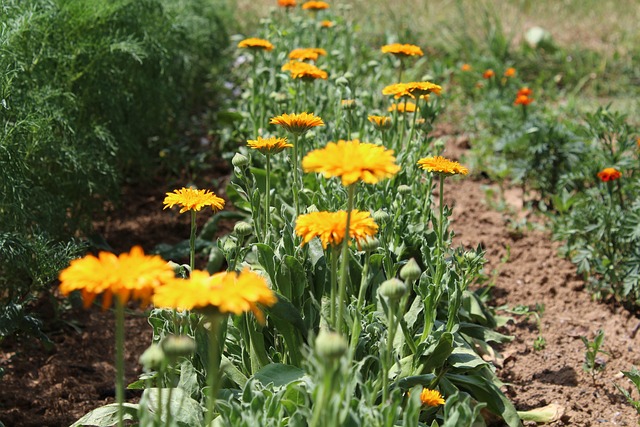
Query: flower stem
{"type": "Point", "coordinates": [192, 242]}
{"type": "Point", "coordinates": [351, 189]}
{"type": "Point", "coordinates": [333, 283]}
{"type": "Point", "coordinates": [213, 365]}
{"type": "Point", "coordinates": [296, 180]}
{"type": "Point", "coordinates": [391, 305]}
{"type": "Point", "coordinates": [356, 328]}
{"type": "Point", "coordinates": [120, 359]}
{"type": "Point", "coordinates": [267, 200]}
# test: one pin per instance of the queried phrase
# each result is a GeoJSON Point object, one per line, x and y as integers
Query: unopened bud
{"type": "Point", "coordinates": [411, 271]}
{"type": "Point", "coordinates": [240, 160]}
{"type": "Point", "coordinates": [175, 346]}
{"type": "Point", "coordinates": [380, 216]}
{"type": "Point", "coordinates": [393, 289]}
{"type": "Point", "coordinates": [242, 228]}
{"type": "Point", "coordinates": [152, 358]}
{"type": "Point", "coordinates": [369, 244]}
{"type": "Point", "coordinates": [330, 345]}
{"type": "Point", "coordinates": [404, 189]}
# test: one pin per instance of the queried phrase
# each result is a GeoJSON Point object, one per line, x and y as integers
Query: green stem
{"type": "Point", "coordinates": [296, 180]}
{"type": "Point", "coordinates": [356, 328]}
{"type": "Point", "coordinates": [192, 241]}
{"type": "Point", "coordinates": [213, 369]}
{"type": "Point", "coordinates": [319, 406]}
{"type": "Point", "coordinates": [333, 283]}
{"type": "Point", "coordinates": [441, 220]}
{"type": "Point", "coordinates": [415, 119]}
{"type": "Point", "coordinates": [120, 359]}
{"type": "Point", "coordinates": [267, 200]}
{"type": "Point", "coordinates": [254, 114]}
{"type": "Point", "coordinates": [392, 305]}
{"type": "Point", "coordinates": [345, 259]}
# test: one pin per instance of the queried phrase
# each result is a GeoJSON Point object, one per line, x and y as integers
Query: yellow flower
{"type": "Point", "coordinates": [307, 53]}
{"type": "Point", "coordinates": [402, 49]}
{"type": "Point", "coordinates": [297, 123]}
{"type": "Point", "coordinates": [439, 164]}
{"type": "Point", "coordinates": [227, 292]}
{"type": "Point", "coordinates": [192, 199]}
{"type": "Point", "coordinates": [431, 397]}
{"type": "Point", "coordinates": [326, 24]}
{"type": "Point", "coordinates": [412, 89]}
{"type": "Point", "coordinates": [315, 5]}
{"type": "Point", "coordinates": [404, 107]}
{"type": "Point", "coordinates": [305, 71]}
{"type": "Point", "coordinates": [132, 274]}
{"type": "Point", "coordinates": [348, 104]}
{"type": "Point", "coordinates": [398, 90]}
{"type": "Point", "coordinates": [329, 227]}
{"type": "Point", "coordinates": [352, 161]}
{"type": "Point", "coordinates": [380, 122]}
{"type": "Point", "coordinates": [271, 145]}
{"type": "Point", "coordinates": [256, 44]}
{"type": "Point", "coordinates": [510, 72]}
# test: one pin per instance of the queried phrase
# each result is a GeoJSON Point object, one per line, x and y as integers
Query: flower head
{"type": "Point", "coordinates": [287, 3]}
{"type": "Point", "coordinates": [404, 107]}
{"type": "Point", "coordinates": [399, 49]}
{"type": "Point", "coordinates": [132, 274]}
{"type": "Point", "coordinates": [441, 165]}
{"type": "Point", "coordinates": [380, 122]}
{"type": "Point", "coordinates": [255, 44]}
{"type": "Point", "coordinates": [307, 53]}
{"type": "Point", "coordinates": [510, 72]}
{"type": "Point", "coordinates": [352, 161]}
{"type": "Point", "coordinates": [488, 74]}
{"type": "Point", "coordinates": [272, 145]}
{"type": "Point", "coordinates": [297, 123]}
{"type": "Point", "coordinates": [329, 227]}
{"type": "Point", "coordinates": [431, 397]}
{"type": "Point", "coordinates": [525, 91]}
{"type": "Point", "coordinates": [227, 292]}
{"type": "Point", "coordinates": [348, 104]}
{"type": "Point", "coordinates": [327, 24]}
{"type": "Point", "coordinates": [466, 67]}
{"type": "Point", "coordinates": [609, 174]}
{"type": "Point", "coordinates": [315, 5]}
{"type": "Point", "coordinates": [304, 71]}
{"type": "Point", "coordinates": [523, 97]}
{"type": "Point", "coordinates": [192, 199]}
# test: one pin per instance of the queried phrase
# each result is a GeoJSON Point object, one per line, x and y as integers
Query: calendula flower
{"type": "Point", "coordinates": [272, 145]}
{"type": "Point", "coordinates": [609, 174]}
{"type": "Point", "coordinates": [329, 227]}
{"type": "Point", "coordinates": [398, 90]}
{"type": "Point", "coordinates": [399, 49]}
{"type": "Point", "coordinates": [192, 199]}
{"type": "Point", "coordinates": [522, 100]}
{"type": "Point", "coordinates": [227, 292]}
{"type": "Point", "coordinates": [431, 397]}
{"type": "Point", "coordinates": [419, 89]}
{"type": "Point", "coordinates": [255, 44]}
{"type": "Point", "coordinates": [297, 123]}
{"type": "Point", "coordinates": [439, 164]}
{"type": "Point", "coordinates": [326, 24]}
{"type": "Point", "coordinates": [315, 5]}
{"type": "Point", "coordinates": [466, 67]}
{"type": "Point", "coordinates": [525, 91]}
{"type": "Point", "coordinates": [287, 3]}
{"type": "Point", "coordinates": [403, 107]}
{"type": "Point", "coordinates": [304, 71]}
{"type": "Point", "coordinates": [380, 122]}
{"type": "Point", "coordinates": [348, 104]}
{"type": "Point", "coordinates": [352, 161]}
{"type": "Point", "coordinates": [510, 72]}
{"type": "Point", "coordinates": [488, 74]}
{"type": "Point", "coordinates": [307, 54]}
{"type": "Point", "coordinates": [129, 275]}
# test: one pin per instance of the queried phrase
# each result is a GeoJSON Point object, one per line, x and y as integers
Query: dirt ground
{"type": "Point", "coordinates": [56, 387]}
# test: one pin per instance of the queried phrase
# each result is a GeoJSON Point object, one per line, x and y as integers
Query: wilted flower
{"type": "Point", "coordinates": [352, 161]}
{"type": "Point", "coordinates": [255, 44]}
{"type": "Point", "coordinates": [297, 123]}
{"type": "Point", "coordinates": [609, 174]}
{"type": "Point", "coordinates": [399, 49]}
{"type": "Point", "coordinates": [272, 145]}
{"type": "Point", "coordinates": [192, 199]}
{"type": "Point", "coordinates": [439, 164]}
{"type": "Point", "coordinates": [329, 227]}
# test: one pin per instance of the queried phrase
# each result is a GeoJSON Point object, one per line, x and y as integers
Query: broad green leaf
{"type": "Point", "coordinates": [278, 374]}
{"type": "Point", "coordinates": [185, 411]}
{"type": "Point", "coordinates": [107, 416]}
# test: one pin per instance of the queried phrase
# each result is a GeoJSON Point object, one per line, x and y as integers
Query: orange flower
{"type": "Point", "coordinates": [307, 54]}
{"type": "Point", "coordinates": [431, 397]}
{"type": "Point", "coordinates": [287, 3]}
{"type": "Point", "coordinates": [272, 145]}
{"type": "Point", "coordinates": [411, 89]}
{"type": "Point", "coordinates": [466, 67]}
{"type": "Point", "coordinates": [193, 199]}
{"type": "Point", "coordinates": [255, 44]}
{"type": "Point", "coordinates": [297, 123]}
{"type": "Point", "coordinates": [315, 5]}
{"type": "Point", "coordinates": [609, 174]}
{"type": "Point", "coordinates": [399, 49]}
{"type": "Point", "coordinates": [380, 122]}
{"type": "Point", "coordinates": [525, 91]}
{"type": "Point", "coordinates": [327, 24]}
{"type": "Point", "coordinates": [329, 227]}
{"type": "Point", "coordinates": [510, 72]}
{"type": "Point", "coordinates": [439, 164]}
{"type": "Point", "coordinates": [488, 74]}
{"type": "Point", "coordinates": [522, 100]}
{"type": "Point", "coordinates": [304, 71]}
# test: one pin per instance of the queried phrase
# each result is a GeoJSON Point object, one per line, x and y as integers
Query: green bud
{"type": "Point", "coordinates": [240, 160]}
{"type": "Point", "coordinates": [312, 209]}
{"type": "Point", "coordinates": [229, 245]}
{"type": "Point", "coordinates": [175, 346]}
{"type": "Point", "coordinates": [404, 189]}
{"type": "Point", "coordinates": [330, 345]}
{"type": "Point", "coordinates": [411, 271]}
{"type": "Point", "coordinates": [152, 358]}
{"type": "Point", "coordinates": [380, 216]}
{"type": "Point", "coordinates": [369, 244]}
{"type": "Point", "coordinates": [393, 289]}
{"type": "Point", "coordinates": [242, 228]}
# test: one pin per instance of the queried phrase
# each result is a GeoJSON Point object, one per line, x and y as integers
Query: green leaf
{"type": "Point", "coordinates": [185, 411]}
{"type": "Point", "coordinates": [278, 374]}
{"type": "Point", "coordinates": [107, 416]}
{"type": "Point", "coordinates": [466, 359]}
{"type": "Point", "coordinates": [483, 333]}
{"type": "Point", "coordinates": [266, 257]}
{"type": "Point", "coordinates": [436, 354]}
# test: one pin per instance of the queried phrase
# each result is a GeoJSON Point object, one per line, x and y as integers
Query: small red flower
{"type": "Point", "coordinates": [609, 174]}
{"type": "Point", "coordinates": [488, 74]}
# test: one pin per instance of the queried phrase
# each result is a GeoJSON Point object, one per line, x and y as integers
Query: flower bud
{"type": "Point", "coordinates": [330, 345]}
{"type": "Point", "coordinates": [380, 216]}
{"type": "Point", "coordinates": [411, 271]}
{"type": "Point", "coordinates": [240, 160]}
{"type": "Point", "coordinates": [152, 358]}
{"type": "Point", "coordinates": [369, 244]}
{"type": "Point", "coordinates": [393, 289]}
{"type": "Point", "coordinates": [404, 189]}
{"type": "Point", "coordinates": [229, 245]}
{"type": "Point", "coordinates": [242, 228]}
{"type": "Point", "coordinates": [175, 346]}
{"type": "Point", "coordinates": [348, 104]}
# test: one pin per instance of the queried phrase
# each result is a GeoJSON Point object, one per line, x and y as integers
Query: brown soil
{"type": "Point", "coordinates": [54, 388]}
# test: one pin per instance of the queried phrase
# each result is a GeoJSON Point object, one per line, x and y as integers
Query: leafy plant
{"type": "Point", "coordinates": [592, 363]}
